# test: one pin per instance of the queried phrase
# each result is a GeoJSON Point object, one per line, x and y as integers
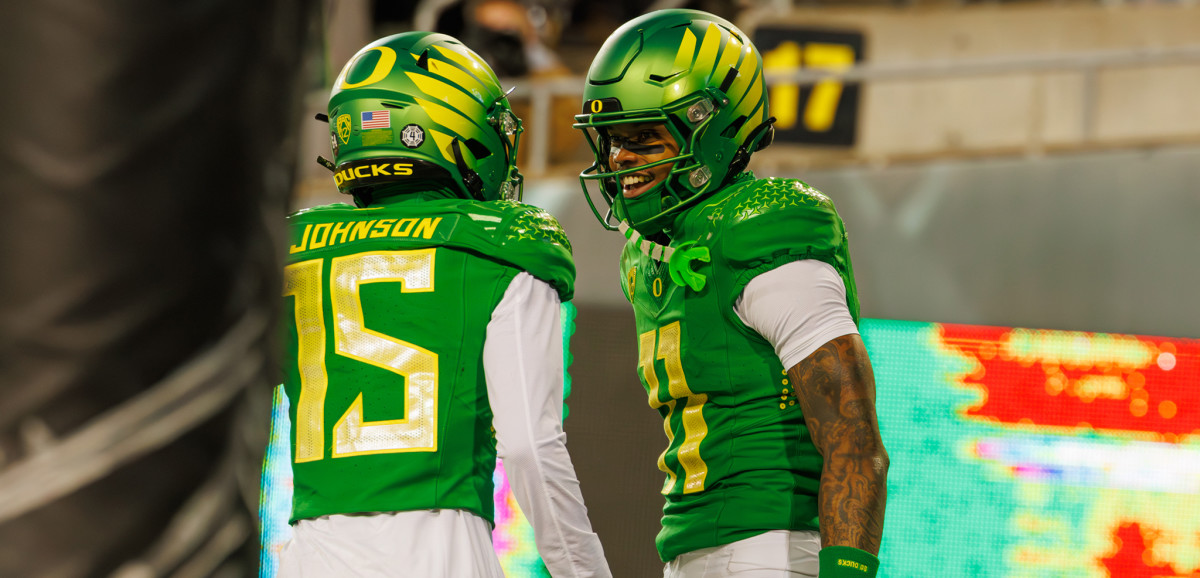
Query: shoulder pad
{"type": "Point", "coordinates": [321, 209]}
{"type": "Point", "coordinates": [531, 239]}
{"type": "Point", "coordinates": [772, 216]}
{"type": "Point", "coordinates": [530, 223]}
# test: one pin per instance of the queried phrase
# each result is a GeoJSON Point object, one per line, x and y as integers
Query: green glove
{"type": "Point", "coordinates": [847, 562]}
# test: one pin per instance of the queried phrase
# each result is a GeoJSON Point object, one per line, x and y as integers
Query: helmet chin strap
{"type": "Point", "coordinates": [646, 246]}
{"type": "Point", "coordinates": [760, 138]}
{"type": "Point", "coordinates": [470, 178]}
{"type": "Point", "coordinates": [679, 259]}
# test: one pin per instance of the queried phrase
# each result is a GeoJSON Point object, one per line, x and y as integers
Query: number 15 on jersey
{"type": "Point", "coordinates": [416, 430]}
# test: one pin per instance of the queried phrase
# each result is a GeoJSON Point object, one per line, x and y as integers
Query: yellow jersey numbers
{"type": "Point", "coordinates": [416, 431]}
{"type": "Point", "coordinates": [664, 344]}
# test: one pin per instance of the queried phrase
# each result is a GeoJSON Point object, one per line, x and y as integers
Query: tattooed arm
{"type": "Point", "coordinates": [836, 390]}
{"type": "Point", "coordinates": [797, 308]}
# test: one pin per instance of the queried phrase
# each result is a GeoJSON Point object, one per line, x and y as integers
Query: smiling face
{"type": "Point", "coordinates": [637, 144]}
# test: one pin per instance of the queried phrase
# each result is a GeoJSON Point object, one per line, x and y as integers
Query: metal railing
{"type": "Point", "coordinates": [541, 91]}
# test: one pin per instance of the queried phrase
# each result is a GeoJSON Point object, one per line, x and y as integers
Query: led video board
{"type": "Point", "coordinates": [1022, 452]}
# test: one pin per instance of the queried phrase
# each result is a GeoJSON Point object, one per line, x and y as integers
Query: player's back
{"type": "Point", "coordinates": [388, 311]}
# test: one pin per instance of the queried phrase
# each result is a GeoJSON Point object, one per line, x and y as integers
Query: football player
{"type": "Point", "coordinates": [745, 306]}
{"type": "Point", "coordinates": [423, 332]}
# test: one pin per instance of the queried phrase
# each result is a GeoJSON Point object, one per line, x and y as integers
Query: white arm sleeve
{"type": "Point", "coordinates": [797, 307]}
{"type": "Point", "coordinates": [523, 362]}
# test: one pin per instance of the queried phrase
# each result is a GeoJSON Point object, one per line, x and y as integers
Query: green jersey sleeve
{"type": "Point", "coordinates": [771, 222]}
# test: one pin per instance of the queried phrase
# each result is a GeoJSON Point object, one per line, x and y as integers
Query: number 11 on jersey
{"type": "Point", "coordinates": [667, 348]}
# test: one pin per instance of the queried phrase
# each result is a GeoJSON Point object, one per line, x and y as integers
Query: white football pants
{"type": "Point", "coordinates": [774, 554]}
{"type": "Point", "coordinates": [420, 544]}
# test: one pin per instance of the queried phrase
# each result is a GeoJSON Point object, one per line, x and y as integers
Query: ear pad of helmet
{"type": "Point", "coordinates": [759, 139]}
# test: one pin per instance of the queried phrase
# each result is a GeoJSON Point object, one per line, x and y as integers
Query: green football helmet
{"type": "Point", "coordinates": [421, 108]}
{"type": "Point", "coordinates": [700, 76]}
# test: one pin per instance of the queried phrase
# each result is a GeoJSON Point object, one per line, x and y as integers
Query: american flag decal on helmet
{"type": "Point", "coordinates": [372, 119]}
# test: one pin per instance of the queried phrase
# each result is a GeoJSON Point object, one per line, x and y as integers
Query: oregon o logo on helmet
{"type": "Point", "coordinates": [387, 59]}
{"type": "Point", "coordinates": [597, 106]}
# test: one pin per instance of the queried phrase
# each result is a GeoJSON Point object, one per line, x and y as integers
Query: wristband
{"type": "Point", "coordinates": [847, 562]}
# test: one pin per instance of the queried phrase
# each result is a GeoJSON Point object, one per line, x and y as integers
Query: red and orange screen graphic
{"type": "Point", "coordinates": [1029, 452]}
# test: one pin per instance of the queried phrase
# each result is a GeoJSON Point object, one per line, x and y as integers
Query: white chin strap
{"type": "Point", "coordinates": [650, 248]}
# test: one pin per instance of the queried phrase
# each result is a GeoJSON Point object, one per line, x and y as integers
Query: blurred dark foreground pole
{"type": "Point", "coordinates": [146, 156]}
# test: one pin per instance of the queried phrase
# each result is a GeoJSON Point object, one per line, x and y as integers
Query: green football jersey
{"type": "Point", "coordinates": [386, 310]}
{"type": "Point", "coordinates": [739, 460]}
